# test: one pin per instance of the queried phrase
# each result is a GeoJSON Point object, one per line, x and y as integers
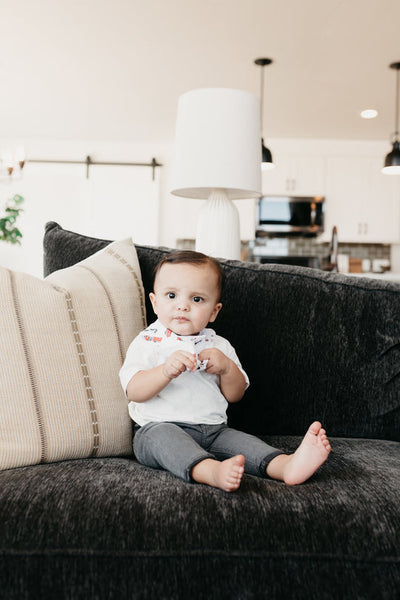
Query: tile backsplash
{"type": "Point", "coordinates": [303, 246]}
{"type": "Point", "coordinates": [309, 247]}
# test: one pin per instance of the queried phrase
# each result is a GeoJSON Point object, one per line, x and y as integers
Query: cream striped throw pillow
{"type": "Point", "coordinates": [63, 341]}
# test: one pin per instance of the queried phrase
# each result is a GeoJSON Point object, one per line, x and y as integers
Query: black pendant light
{"type": "Point", "coordinates": [392, 160]}
{"type": "Point", "coordinates": [266, 162]}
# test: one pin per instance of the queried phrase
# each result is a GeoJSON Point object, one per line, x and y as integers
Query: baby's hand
{"type": "Point", "coordinates": [178, 362]}
{"type": "Point", "coordinates": [218, 363]}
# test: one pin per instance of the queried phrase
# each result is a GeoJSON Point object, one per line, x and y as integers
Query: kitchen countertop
{"type": "Point", "coordinates": [389, 275]}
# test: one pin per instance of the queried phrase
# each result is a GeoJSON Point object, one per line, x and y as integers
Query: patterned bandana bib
{"type": "Point", "coordinates": [170, 342]}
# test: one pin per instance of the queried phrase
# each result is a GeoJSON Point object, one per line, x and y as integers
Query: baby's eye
{"type": "Point", "coordinates": [171, 295]}
{"type": "Point", "coordinates": [197, 299]}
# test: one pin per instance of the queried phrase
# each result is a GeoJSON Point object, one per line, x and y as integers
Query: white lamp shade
{"type": "Point", "coordinates": [217, 144]}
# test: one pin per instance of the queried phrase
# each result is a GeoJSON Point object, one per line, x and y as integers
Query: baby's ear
{"type": "Point", "coordinates": [215, 312]}
{"type": "Point", "coordinates": [153, 301]}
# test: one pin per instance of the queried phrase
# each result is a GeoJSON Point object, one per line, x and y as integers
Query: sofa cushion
{"type": "Point", "coordinates": [111, 528]}
{"type": "Point", "coordinates": [63, 342]}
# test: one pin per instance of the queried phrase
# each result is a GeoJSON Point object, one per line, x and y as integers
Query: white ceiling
{"type": "Point", "coordinates": [113, 70]}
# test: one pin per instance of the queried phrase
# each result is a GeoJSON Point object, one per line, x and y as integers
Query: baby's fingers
{"type": "Point", "coordinates": [189, 360]}
{"type": "Point", "coordinates": [181, 360]}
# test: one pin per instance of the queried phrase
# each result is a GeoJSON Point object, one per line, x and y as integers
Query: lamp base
{"type": "Point", "coordinates": [218, 227]}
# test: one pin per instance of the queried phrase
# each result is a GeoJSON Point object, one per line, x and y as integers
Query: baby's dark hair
{"type": "Point", "coordinates": [193, 258]}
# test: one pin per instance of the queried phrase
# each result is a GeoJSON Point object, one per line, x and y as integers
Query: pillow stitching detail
{"type": "Point", "coordinates": [112, 308]}
{"type": "Point", "coordinates": [138, 284]}
{"type": "Point", "coordinates": [31, 370]}
{"type": "Point", "coordinates": [85, 371]}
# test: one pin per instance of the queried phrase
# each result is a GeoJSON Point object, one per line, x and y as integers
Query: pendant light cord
{"type": "Point", "coordinates": [266, 160]}
{"type": "Point", "coordinates": [261, 98]}
{"type": "Point", "coordinates": [262, 63]}
{"type": "Point", "coordinates": [396, 133]}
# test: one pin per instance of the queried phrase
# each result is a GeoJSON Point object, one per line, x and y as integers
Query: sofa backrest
{"type": "Point", "coordinates": [315, 345]}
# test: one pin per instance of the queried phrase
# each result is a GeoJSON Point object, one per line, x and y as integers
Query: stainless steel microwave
{"type": "Point", "coordinates": [301, 215]}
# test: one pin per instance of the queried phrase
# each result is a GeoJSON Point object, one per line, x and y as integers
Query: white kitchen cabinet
{"type": "Point", "coordinates": [295, 176]}
{"type": "Point", "coordinates": [363, 203]}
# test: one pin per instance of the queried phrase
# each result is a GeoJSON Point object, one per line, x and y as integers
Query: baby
{"type": "Point", "coordinates": [179, 377]}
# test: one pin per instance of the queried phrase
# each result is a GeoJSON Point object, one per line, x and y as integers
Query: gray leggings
{"type": "Point", "coordinates": [178, 447]}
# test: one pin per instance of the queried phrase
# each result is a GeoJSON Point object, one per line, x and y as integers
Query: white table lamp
{"type": "Point", "coordinates": [218, 157]}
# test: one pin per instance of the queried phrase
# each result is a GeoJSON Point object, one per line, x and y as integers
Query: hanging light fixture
{"type": "Point", "coordinates": [266, 162]}
{"type": "Point", "coordinates": [392, 160]}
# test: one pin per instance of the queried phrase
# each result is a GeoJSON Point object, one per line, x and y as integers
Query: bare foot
{"type": "Point", "coordinates": [309, 456]}
{"type": "Point", "coordinates": [225, 475]}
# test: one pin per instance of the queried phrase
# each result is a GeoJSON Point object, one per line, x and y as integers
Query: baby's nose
{"type": "Point", "coordinates": [183, 304]}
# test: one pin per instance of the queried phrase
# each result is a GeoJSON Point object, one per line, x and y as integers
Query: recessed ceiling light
{"type": "Point", "coordinates": [369, 113]}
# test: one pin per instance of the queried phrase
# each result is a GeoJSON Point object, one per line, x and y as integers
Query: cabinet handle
{"type": "Point", "coordinates": [359, 228]}
{"type": "Point", "coordinates": [290, 184]}
{"type": "Point", "coordinates": [365, 227]}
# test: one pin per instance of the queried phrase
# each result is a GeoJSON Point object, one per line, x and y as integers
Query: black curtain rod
{"type": "Point", "coordinates": [89, 162]}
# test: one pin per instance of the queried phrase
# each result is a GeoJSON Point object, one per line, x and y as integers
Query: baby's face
{"type": "Point", "coordinates": [185, 297]}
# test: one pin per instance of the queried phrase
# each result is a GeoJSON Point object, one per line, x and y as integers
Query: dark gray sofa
{"type": "Point", "coordinates": [316, 346]}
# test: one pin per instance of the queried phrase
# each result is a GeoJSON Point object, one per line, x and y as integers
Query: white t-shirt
{"type": "Point", "coordinates": [192, 397]}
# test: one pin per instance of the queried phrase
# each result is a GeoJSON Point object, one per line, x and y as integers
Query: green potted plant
{"type": "Point", "coordinates": [8, 231]}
